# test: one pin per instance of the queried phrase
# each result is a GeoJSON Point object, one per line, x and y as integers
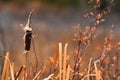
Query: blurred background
{"type": "Point", "coordinates": [53, 22]}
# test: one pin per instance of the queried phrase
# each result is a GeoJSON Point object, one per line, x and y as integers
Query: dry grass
{"type": "Point", "coordinates": [63, 70]}
{"type": "Point", "coordinates": [104, 67]}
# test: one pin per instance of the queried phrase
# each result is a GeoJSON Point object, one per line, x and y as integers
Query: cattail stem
{"type": "Point", "coordinates": [36, 59]}
{"type": "Point", "coordinates": [26, 63]}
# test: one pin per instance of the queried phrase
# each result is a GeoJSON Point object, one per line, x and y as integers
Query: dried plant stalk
{"type": "Point", "coordinates": [60, 61]}
{"type": "Point", "coordinates": [88, 76]}
{"type": "Point", "coordinates": [7, 73]}
{"type": "Point", "coordinates": [96, 71]}
{"type": "Point", "coordinates": [64, 63]}
{"type": "Point", "coordinates": [68, 72]}
{"type": "Point", "coordinates": [11, 71]}
{"type": "Point", "coordinates": [5, 66]}
{"type": "Point", "coordinates": [37, 74]}
{"type": "Point", "coordinates": [26, 63]}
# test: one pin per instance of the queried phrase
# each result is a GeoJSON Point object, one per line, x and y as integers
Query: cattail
{"type": "Point", "coordinates": [27, 39]}
{"type": "Point", "coordinates": [28, 33]}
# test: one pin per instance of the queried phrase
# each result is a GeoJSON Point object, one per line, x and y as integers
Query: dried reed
{"type": "Point", "coordinates": [89, 67]}
{"type": "Point", "coordinates": [5, 68]}
{"type": "Point", "coordinates": [60, 61]}
{"type": "Point", "coordinates": [68, 73]}
{"type": "Point", "coordinates": [64, 62]}
{"type": "Point", "coordinates": [37, 75]}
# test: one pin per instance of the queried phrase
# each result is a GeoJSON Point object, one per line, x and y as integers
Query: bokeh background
{"type": "Point", "coordinates": [53, 22]}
